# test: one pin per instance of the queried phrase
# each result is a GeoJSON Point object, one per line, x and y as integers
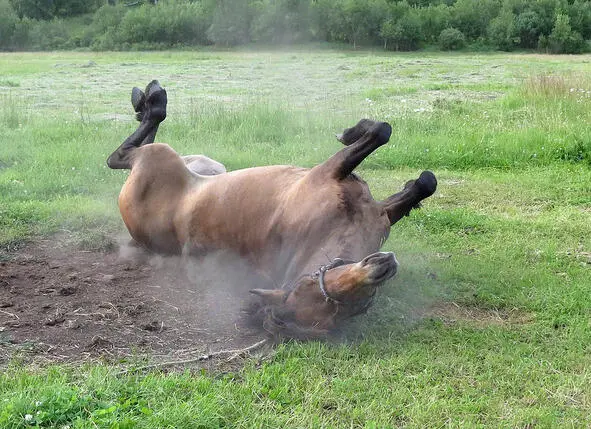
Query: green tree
{"type": "Point", "coordinates": [563, 40]}
{"type": "Point", "coordinates": [472, 17]}
{"type": "Point", "coordinates": [451, 39]}
{"type": "Point", "coordinates": [403, 33]}
{"type": "Point", "coordinates": [434, 19]}
{"type": "Point", "coordinates": [8, 24]}
{"type": "Point", "coordinates": [47, 9]}
{"type": "Point", "coordinates": [282, 21]}
{"type": "Point", "coordinates": [231, 23]}
{"type": "Point", "coordinates": [502, 32]}
{"type": "Point", "coordinates": [529, 26]}
{"type": "Point", "coordinates": [579, 13]}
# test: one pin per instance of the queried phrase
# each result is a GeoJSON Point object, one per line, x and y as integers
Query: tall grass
{"type": "Point", "coordinates": [14, 112]}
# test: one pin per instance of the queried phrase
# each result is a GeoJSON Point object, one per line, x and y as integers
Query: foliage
{"type": "Point", "coordinates": [8, 24]}
{"type": "Point", "coordinates": [402, 30]}
{"type": "Point", "coordinates": [556, 25]}
{"type": "Point", "coordinates": [231, 23]}
{"type": "Point", "coordinates": [563, 40]}
{"type": "Point", "coordinates": [451, 39]}
{"type": "Point", "coordinates": [502, 31]}
{"type": "Point", "coordinates": [282, 21]}
{"type": "Point", "coordinates": [48, 9]}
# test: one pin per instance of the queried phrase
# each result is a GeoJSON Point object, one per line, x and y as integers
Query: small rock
{"type": "Point", "coordinates": [55, 321]}
{"type": "Point", "coordinates": [68, 290]}
{"type": "Point", "coordinates": [107, 278]}
{"type": "Point", "coordinates": [72, 324]}
{"type": "Point", "coordinates": [152, 326]}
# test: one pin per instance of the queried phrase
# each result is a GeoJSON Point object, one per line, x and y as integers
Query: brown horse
{"type": "Point", "coordinates": [284, 220]}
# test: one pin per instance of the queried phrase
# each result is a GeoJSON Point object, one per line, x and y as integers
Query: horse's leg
{"type": "Point", "coordinates": [400, 204]}
{"type": "Point", "coordinates": [151, 110]}
{"type": "Point", "coordinates": [368, 136]}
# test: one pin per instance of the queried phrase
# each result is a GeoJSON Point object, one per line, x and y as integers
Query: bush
{"type": "Point", "coordinates": [49, 35]}
{"type": "Point", "coordinates": [502, 32]}
{"type": "Point", "coordinates": [528, 26]}
{"type": "Point", "coordinates": [166, 24]}
{"type": "Point", "coordinates": [282, 21]}
{"type": "Point", "coordinates": [8, 24]}
{"type": "Point", "coordinates": [451, 39]}
{"type": "Point", "coordinates": [563, 40]}
{"type": "Point", "coordinates": [402, 34]}
{"type": "Point", "coordinates": [230, 23]}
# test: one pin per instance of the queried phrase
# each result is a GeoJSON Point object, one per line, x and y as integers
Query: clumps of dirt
{"type": "Point", "coordinates": [451, 313]}
{"type": "Point", "coordinates": [59, 303]}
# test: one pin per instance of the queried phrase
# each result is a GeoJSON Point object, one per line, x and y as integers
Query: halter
{"type": "Point", "coordinates": [337, 262]}
{"type": "Point", "coordinates": [320, 274]}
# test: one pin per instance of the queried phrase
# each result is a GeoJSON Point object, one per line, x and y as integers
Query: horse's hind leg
{"type": "Point", "coordinates": [151, 111]}
{"type": "Point", "coordinates": [361, 140]}
{"type": "Point", "coordinates": [400, 204]}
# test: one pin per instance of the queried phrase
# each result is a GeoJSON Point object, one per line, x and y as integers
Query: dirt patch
{"type": "Point", "coordinates": [59, 303]}
{"type": "Point", "coordinates": [452, 313]}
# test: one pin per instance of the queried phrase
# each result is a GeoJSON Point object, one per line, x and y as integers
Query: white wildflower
{"type": "Point", "coordinates": [28, 417]}
{"type": "Point", "coordinates": [38, 403]}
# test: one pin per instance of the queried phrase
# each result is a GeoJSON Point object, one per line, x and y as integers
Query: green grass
{"type": "Point", "coordinates": [506, 237]}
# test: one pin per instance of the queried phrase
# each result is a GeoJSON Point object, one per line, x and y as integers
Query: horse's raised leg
{"type": "Point", "coordinates": [400, 204]}
{"type": "Point", "coordinates": [361, 140]}
{"type": "Point", "coordinates": [151, 111]}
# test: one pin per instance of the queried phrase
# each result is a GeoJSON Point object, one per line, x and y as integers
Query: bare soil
{"type": "Point", "coordinates": [59, 303]}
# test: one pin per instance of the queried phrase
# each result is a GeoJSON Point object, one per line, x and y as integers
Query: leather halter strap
{"type": "Point", "coordinates": [328, 298]}
{"type": "Point", "coordinates": [337, 262]}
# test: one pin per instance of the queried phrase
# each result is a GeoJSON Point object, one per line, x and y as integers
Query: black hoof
{"type": "Point", "coordinates": [151, 104]}
{"type": "Point", "coordinates": [138, 100]}
{"type": "Point", "coordinates": [427, 184]}
{"type": "Point", "coordinates": [382, 132]}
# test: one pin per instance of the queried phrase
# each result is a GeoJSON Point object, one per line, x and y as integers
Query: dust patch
{"type": "Point", "coordinates": [59, 303]}
{"type": "Point", "coordinates": [451, 313]}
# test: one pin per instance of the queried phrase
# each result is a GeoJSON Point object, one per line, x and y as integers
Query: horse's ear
{"type": "Point", "coordinates": [271, 296]}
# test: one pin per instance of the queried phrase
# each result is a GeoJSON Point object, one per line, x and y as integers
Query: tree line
{"type": "Point", "coordinates": [555, 26]}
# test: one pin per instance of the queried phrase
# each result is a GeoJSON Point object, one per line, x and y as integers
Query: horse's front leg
{"type": "Point", "coordinates": [151, 111]}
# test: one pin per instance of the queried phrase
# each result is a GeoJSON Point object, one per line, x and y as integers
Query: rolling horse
{"type": "Point", "coordinates": [283, 220]}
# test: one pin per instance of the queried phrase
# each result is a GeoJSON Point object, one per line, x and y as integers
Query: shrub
{"type": "Point", "coordinates": [528, 26]}
{"type": "Point", "coordinates": [166, 24]}
{"type": "Point", "coordinates": [49, 35]}
{"type": "Point", "coordinates": [563, 40]}
{"type": "Point", "coordinates": [8, 24]}
{"type": "Point", "coordinates": [502, 32]}
{"type": "Point", "coordinates": [230, 23]}
{"type": "Point", "coordinates": [451, 39]}
{"type": "Point", "coordinates": [402, 34]}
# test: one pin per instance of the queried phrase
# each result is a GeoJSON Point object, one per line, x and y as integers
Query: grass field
{"type": "Point", "coordinates": [488, 323]}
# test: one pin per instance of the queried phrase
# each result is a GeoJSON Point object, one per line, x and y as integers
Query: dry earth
{"type": "Point", "coordinates": [58, 303]}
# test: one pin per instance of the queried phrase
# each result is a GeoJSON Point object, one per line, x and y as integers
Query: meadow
{"type": "Point", "coordinates": [487, 323]}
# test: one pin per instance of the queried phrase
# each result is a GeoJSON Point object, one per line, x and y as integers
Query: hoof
{"type": "Point", "coordinates": [427, 184]}
{"type": "Point", "coordinates": [382, 132]}
{"type": "Point", "coordinates": [138, 100]}
{"type": "Point", "coordinates": [154, 101]}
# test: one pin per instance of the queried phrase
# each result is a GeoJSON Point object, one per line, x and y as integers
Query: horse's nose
{"type": "Point", "coordinates": [380, 258]}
